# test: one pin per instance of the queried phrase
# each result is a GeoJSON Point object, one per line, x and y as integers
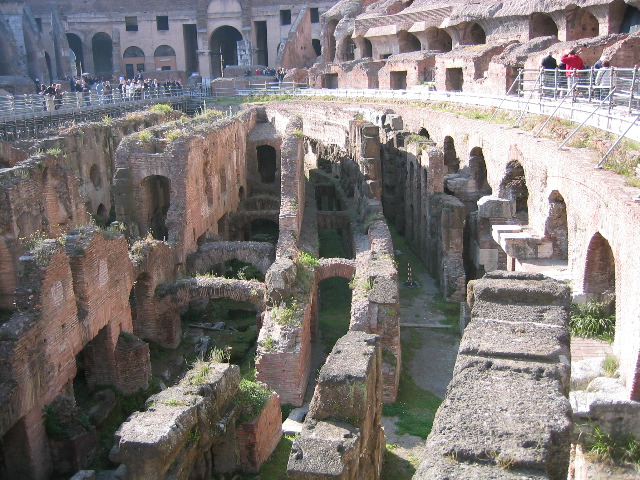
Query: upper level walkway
{"type": "Point", "coordinates": [612, 105]}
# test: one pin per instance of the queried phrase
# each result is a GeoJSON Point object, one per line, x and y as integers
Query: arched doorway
{"type": "Point", "coordinates": [407, 42]}
{"type": "Point", "coordinates": [556, 228]}
{"type": "Point", "coordinates": [581, 23]}
{"type": "Point", "coordinates": [102, 48]}
{"type": "Point", "coordinates": [600, 270]}
{"type": "Point", "coordinates": [451, 160]}
{"type": "Point", "coordinates": [224, 49]}
{"type": "Point", "coordinates": [133, 61]}
{"type": "Point", "coordinates": [347, 50]}
{"type": "Point", "coordinates": [478, 170]}
{"type": "Point", "coordinates": [514, 187]}
{"type": "Point", "coordinates": [157, 200]}
{"type": "Point", "coordinates": [542, 25]}
{"type": "Point", "coordinates": [473, 34]}
{"type": "Point", "coordinates": [438, 39]}
{"type": "Point", "coordinates": [77, 57]}
{"type": "Point", "coordinates": [165, 58]}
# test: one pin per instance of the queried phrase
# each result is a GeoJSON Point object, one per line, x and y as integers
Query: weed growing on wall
{"type": "Point", "coordinates": [608, 447]}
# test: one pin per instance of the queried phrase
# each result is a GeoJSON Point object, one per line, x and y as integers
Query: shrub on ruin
{"type": "Point", "coordinates": [251, 399]}
{"type": "Point", "coordinates": [161, 108]}
{"type": "Point", "coordinates": [592, 320]}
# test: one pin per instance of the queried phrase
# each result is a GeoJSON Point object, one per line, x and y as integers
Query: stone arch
{"type": "Point", "coordinates": [630, 21]}
{"type": "Point", "coordinates": [133, 58]}
{"type": "Point", "coordinates": [451, 160]}
{"type": "Point", "coordinates": [157, 200]}
{"type": "Point", "coordinates": [424, 133]}
{"type": "Point", "coordinates": [102, 49]}
{"type": "Point", "coordinates": [478, 171]}
{"type": "Point", "coordinates": [542, 25]}
{"type": "Point", "coordinates": [367, 48]}
{"type": "Point", "coordinates": [133, 52]}
{"type": "Point", "coordinates": [347, 50]}
{"type": "Point", "coordinates": [102, 215]}
{"type": "Point", "coordinates": [224, 48]}
{"type": "Point", "coordinates": [408, 42]}
{"type": "Point", "coordinates": [581, 23]}
{"type": "Point", "coordinates": [472, 34]}
{"type": "Point", "coordinates": [267, 163]}
{"type": "Point", "coordinates": [600, 270]}
{"type": "Point", "coordinates": [514, 186]}
{"type": "Point", "coordinates": [438, 39]}
{"type": "Point", "coordinates": [556, 228]}
{"type": "Point", "coordinates": [164, 58]}
{"type": "Point", "coordinates": [75, 45]}
{"type": "Point", "coordinates": [331, 41]}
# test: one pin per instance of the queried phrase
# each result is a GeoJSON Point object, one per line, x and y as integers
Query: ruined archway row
{"type": "Point", "coordinates": [471, 48]}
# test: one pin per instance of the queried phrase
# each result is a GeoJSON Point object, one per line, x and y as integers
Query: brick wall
{"type": "Point", "coordinates": [258, 438]}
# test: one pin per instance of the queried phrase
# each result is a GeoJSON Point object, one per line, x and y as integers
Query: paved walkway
{"type": "Point", "coordinates": [583, 348]}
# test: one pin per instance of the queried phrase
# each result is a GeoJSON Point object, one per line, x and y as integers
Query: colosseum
{"type": "Point", "coordinates": [379, 271]}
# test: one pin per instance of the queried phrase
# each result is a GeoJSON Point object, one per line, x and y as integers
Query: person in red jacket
{"type": "Point", "coordinates": [573, 65]}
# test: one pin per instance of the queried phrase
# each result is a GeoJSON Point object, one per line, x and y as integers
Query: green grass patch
{"type": "Point", "coordinates": [621, 448]}
{"type": "Point", "coordinates": [396, 467]}
{"type": "Point", "coordinates": [414, 406]}
{"type": "Point", "coordinates": [450, 311]}
{"type": "Point", "coordinates": [331, 245]}
{"type": "Point", "coordinates": [275, 468]}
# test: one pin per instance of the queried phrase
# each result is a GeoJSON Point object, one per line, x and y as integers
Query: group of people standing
{"type": "Point", "coordinates": [573, 67]}
{"type": "Point", "coordinates": [125, 89]}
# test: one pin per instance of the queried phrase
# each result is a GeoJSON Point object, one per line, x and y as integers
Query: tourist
{"type": "Point", "coordinates": [50, 93]}
{"type": "Point", "coordinates": [604, 79]}
{"type": "Point", "coordinates": [549, 66]}
{"type": "Point", "coordinates": [573, 65]}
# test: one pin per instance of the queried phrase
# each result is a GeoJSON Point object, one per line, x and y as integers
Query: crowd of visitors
{"type": "Point", "coordinates": [86, 89]}
{"type": "Point", "coordinates": [574, 73]}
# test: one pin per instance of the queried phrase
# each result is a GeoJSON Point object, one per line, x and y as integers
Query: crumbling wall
{"type": "Point", "coordinates": [204, 168]}
{"type": "Point", "coordinates": [187, 431]}
{"type": "Point", "coordinates": [506, 413]}
{"type": "Point", "coordinates": [297, 51]}
{"type": "Point", "coordinates": [342, 437]}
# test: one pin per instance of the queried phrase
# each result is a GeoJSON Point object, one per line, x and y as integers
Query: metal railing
{"type": "Point", "coordinates": [557, 84]}
{"type": "Point", "coordinates": [37, 115]}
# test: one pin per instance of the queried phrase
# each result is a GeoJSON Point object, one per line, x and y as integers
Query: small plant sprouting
{"type": "Point", "coordinates": [308, 259]}
{"type": "Point", "coordinates": [298, 133]}
{"type": "Point", "coordinates": [269, 344]}
{"type": "Point", "coordinates": [610, 365]}
{"type": "Point", "coordinates": [220, 355]}
{"type": "Point", "coordinates": [145, 136]}
{"type": "Point", "coordinates": [173, 134]}
{"type": "Point", "coordinates": [54, 152]}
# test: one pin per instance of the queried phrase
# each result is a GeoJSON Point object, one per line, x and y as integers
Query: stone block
{"type": "Point", "coordinates": [519, 338]}
{"type": "Point", "coordinates": [435, 467]}
{"type": "Point", "coordinates": [324, 450]}
{"type": "Point", "coordinates": [494, 207]}
{"type": "Point", "coordinates": [533, 434]}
